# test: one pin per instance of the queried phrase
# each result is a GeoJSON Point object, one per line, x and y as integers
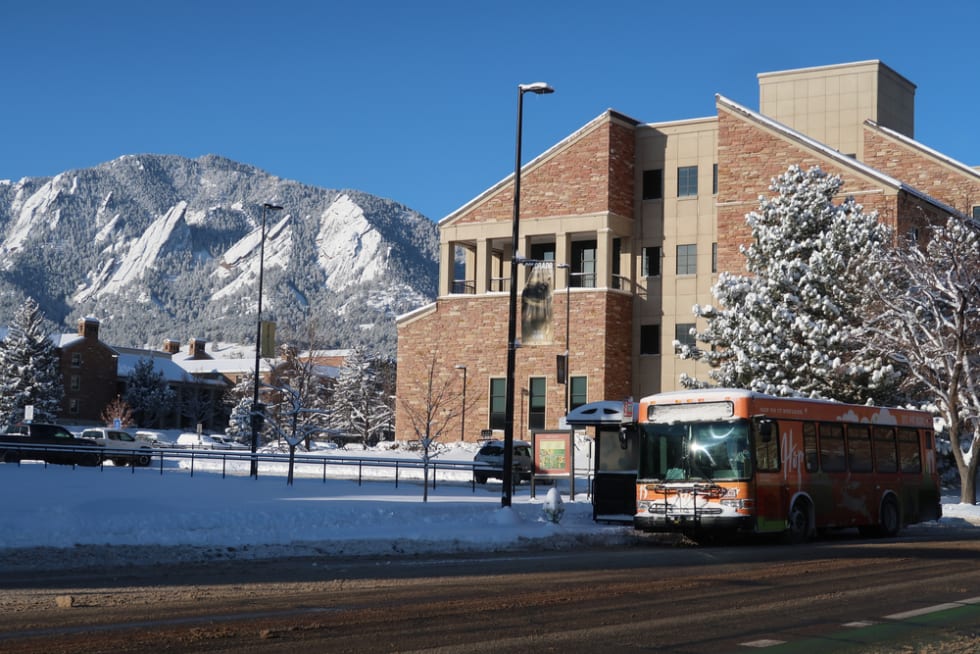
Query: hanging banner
{"type": "Point", "coordinates": [536, 319]}
{"type": "Point", "coordinates": [267, 342]}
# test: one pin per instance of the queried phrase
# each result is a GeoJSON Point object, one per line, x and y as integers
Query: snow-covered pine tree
{"type": "Point", "coordinates": [359, 405]}
{"type": "Point", "coordinates": [926, 316]}
{"type": "Point", "coordinates": [148, 393]}
{"type": "Point", "coordinates": [788, 327]}
{"type": "Point", "coordinates": [240, 420]}
{"type": "Point", "coordinates": [30, 370]}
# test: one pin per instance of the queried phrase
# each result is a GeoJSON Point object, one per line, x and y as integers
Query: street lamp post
{"type": "Point", "coordinates": [568, 325]}
{"type": "Point", "coordinates": [508, 488]}
{"type": "Point", "coordinates": [254, 468]}
{"type": "Point", "coordinates": [462, 418]}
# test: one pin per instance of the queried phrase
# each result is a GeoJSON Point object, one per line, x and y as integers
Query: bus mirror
{"type": "Point", "coordinates": [765, 430]}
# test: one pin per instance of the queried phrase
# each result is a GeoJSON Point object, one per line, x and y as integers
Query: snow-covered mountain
{"type": "Point", "coordinates": [160, 246]}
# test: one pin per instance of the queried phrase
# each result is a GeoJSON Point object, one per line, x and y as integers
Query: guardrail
{"type": "Point", "coordinates": [363, 464]}
{"type": "Point", "coordinates": [229, 460]}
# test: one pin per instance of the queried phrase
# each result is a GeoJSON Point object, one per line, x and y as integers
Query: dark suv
{"type": "Point", "coordinates": [29, 440]}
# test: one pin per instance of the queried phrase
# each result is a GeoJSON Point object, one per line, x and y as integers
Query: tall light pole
{"type": "Point", "coordinates": [508, 484]}
{"type": "Point", "coordinates": [256, 409]}
{"type": "Point", "coordinates": [568, 331]}
{"type": "Point", "coordinates": [462, 418]}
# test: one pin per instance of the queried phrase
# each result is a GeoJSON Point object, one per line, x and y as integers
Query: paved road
{"type": "Point", "coordinates": [839, 595]}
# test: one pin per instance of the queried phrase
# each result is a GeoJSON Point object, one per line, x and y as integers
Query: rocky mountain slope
{"type": "Point", "coordinates": [160, 246]}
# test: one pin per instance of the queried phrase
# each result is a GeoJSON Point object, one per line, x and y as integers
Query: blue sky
{"type": "Point", "coordinates": [416, 101]}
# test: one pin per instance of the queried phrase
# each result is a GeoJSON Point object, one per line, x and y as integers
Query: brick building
{"type": "Point", "coordinates": [640, 218]}
{"type": "Point", "coordinates": [88, 369]}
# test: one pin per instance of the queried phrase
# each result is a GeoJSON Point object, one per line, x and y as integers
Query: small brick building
{"type": "Point", "coordinates": [640, 218]}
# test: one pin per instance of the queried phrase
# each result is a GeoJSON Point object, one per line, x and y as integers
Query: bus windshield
{"type": "Point", "coordinates": [692, 451]}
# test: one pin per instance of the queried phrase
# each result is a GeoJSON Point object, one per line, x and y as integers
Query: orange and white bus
{"type": "Point", "coordinates": [718, 461]}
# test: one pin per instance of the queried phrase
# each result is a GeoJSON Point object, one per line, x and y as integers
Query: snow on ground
{"type": "Point", "coordinates": [56, 516]}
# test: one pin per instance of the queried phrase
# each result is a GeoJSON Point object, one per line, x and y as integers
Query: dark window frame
{"type": "Point", "coordinates": [653, 184]}
{"type": "Point", "coordinates": [687, 259]}
{"type": "Point", "coordinates": [687, 181]}
{"type": "Point", "coordinates": [498, 400]}
{"type": "Point", "coordinates": [537, 402]}
{"type": "Point", "coordinates": [650, 336]}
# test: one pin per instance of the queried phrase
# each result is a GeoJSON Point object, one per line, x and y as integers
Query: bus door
{"type": "Point", "coordinates": [770, 501]}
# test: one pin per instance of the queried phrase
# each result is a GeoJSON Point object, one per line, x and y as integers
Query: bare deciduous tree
{"type": "Point", "coordinates": [926, 317]}
{"type": "Point", "coordinates": [436, 413]}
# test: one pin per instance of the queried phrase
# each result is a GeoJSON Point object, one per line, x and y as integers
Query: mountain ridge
{"type": "Point", "coordinates": [163, 246]}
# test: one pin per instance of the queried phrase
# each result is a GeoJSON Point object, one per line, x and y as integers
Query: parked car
{"type": "Point", "coordinates": [154, 438]}
{"type": "Point", "coordinates": [492, 454]}
{"type": "Point", "coordinates": [121, 447]}
{"type": "Point", "coordinates": [194, 440]}
{"type": "Point", "coordinates": [227, 443]}
{"type": "Point", "coordinates": [34, 436]}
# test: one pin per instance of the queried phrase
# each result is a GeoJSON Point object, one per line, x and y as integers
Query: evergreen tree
{"type": "Point", "coordinates": [148, 394]}
{"type": "Point", "coordinates": [360, 406]}
{"type": "Point", "coordinates": [790, 326]}
{"type": "Point", "coordinates": [30, 370]}
{"type": "Point", "coordinates": [240, 421]}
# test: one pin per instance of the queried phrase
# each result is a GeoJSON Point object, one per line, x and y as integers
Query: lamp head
{"type": "Point", "coordinates": [272, 207]}
{"type": "Point", "coordinates": [536, 87]}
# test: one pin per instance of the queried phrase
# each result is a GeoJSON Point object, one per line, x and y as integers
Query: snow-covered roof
{"type": "Point", "coordinates": [973, 172]}
{"type": "Point", "coordinates": [162, 364]}
{"type": "Point", "coordinates": [830, 153]}
{"type": "Point", "coordinates": [64, 340]}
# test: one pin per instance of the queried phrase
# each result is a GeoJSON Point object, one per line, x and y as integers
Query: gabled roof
{"type": "Point", "coordinates": [606, 116]}
{"type": "Point", "coordinates": [912, 143]}
{"type": "Point", "coordinates": [826, 151]}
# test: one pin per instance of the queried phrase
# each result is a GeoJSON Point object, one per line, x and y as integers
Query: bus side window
{"type": "Point", "coordinates": [908, 450]}
{"type": "Point", "coordinates": [832, 454]}
{"type": "Point", "coordinates": [767, 445]}
{"type": "Point", "coordinates": [885, 457]}
{"type": "Point", "coordinates": [859, 448]}
{"type": "Point", "coordinates": [810, 446]}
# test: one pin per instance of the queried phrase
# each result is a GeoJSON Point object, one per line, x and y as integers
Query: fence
{"type": "Point", "coordinates": [329, 466]}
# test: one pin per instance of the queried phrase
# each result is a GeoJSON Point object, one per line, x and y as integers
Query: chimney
{"type": "Point", "coordinates": [170, 346]}
{"type": "Point", "coordinates": [197, 348]}
{"type": "Point", "coordinates": [89, 328]}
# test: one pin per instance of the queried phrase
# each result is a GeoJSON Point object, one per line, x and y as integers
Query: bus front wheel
{"type": "Point", "coordinates": [798, 527]}
{"type": "Point", "coordinates": [890, 520]}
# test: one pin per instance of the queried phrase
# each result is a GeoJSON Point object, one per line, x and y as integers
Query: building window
{"type": "Point", "coordinates": [687, 181]}
{"type": "Point", "coordinates": [649, 339]}
{"type": "Point", "coordinates": [714, 257]}
{"type": "Point", "coordinates": [583, 264]}
{"type": "Point", "coordinates": [976, 212]}
{"type": "Point", "coordinates": [578, 392]}
{"type": "Point", "coordinates": [651, 262]}
{"type": "Point", "coordinates": [75, 383]}
{"type": "Point", "coordinates": [653, 184]}
{"type": "Point", "coordinates": [714, 179]}
{"type": "Point", "coordinates": [683, 335]}
{"type": "Point", "coordinates": [543, 251]}
{"type": "Point", "coordinates": [73, 407]}
{"type": "Point", "coordinates": [687, 259]}
{"type": "Point", "coordinates": [536, 403]}
{"type": "Point", "coordinates": [498, 403]}
{"type": "Point", "coordinates": [76, 359]}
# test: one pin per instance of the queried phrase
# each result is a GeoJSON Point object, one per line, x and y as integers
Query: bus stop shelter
{"type": "Point", "coordinates": [616, 457]}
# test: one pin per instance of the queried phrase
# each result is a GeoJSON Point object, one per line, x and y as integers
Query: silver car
{"type": "Point", "coordinates": [492, 454]}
